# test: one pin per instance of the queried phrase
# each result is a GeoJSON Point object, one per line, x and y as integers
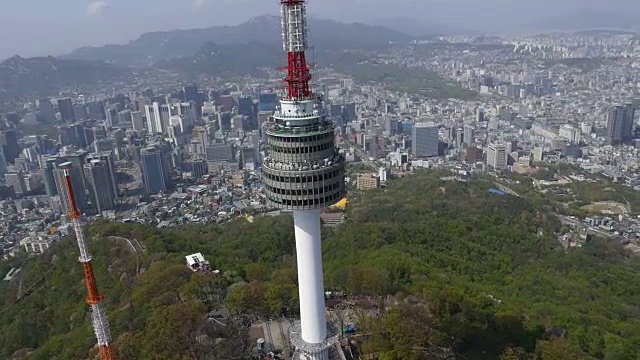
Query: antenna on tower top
{"type": "Point", "coordinates": [294, 41]}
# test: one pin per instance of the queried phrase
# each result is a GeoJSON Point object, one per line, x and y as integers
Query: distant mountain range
{"type": "Point", "coordinates": [229, 59]}
{"type": "Point", "coordinates": [239, 50]}
{"type": "Point", "coordinates": [151, 48]}
{"type": "Point", "coordinates": [224, 50]}
{"type": "Point", "coordinates": [26, 78]}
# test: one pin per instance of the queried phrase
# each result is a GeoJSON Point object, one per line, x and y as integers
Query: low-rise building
{"type": "Point", "coordinates": [367, 182]}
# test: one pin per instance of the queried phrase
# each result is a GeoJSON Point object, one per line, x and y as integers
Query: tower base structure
{"type": "Point", "coordinates": [325, 350]}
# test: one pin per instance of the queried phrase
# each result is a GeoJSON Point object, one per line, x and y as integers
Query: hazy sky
{"type": "Point", "coordinates": [40, 27]}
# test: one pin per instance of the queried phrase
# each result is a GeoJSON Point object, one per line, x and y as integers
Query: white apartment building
{"type": "Point", "coordinates": [497, 156]}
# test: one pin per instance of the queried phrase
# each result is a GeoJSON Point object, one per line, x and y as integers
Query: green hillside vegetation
{"type": "Point", "coordinates": [579, 193]}
{"type": "Point", "coordinates": [472, 273]}
{"type": "Point", "coordinates": [585, 65]}
{"type": "Point", "coordinates": [406, 80]}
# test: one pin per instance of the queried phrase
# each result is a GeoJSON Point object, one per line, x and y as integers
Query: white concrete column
{"type": "Point", "coordinates": [311, 287]}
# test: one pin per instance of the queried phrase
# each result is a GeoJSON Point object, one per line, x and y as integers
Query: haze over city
{"type": "Point", "coordinates": [59, 27]}
{"type": "Point", "coordinates": [368, 179]}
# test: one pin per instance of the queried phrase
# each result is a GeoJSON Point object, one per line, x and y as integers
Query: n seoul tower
{"type": "Point", "coordinates": [304, 172]}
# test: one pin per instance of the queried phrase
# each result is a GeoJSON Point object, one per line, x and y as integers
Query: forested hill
{"type": "Point", "coordinates": [472, 273]}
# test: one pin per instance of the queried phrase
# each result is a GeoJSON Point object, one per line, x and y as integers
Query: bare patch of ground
{"type": "Point", "coordinates": [607, 207]}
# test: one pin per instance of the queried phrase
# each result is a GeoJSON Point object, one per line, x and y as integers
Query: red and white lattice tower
{"type": "Point", "coordinates": [98, 317]}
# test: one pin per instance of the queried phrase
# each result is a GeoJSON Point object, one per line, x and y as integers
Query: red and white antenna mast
{"type": "Point", "coordinates": [294, 37]}
{"type": "Point", "coordinates": [98, 317]}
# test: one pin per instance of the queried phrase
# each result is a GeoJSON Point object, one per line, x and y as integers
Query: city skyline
{"type": "Point", "coordinates": [418, 173]}
{"type": "Point", "coordinates": [76, 23]}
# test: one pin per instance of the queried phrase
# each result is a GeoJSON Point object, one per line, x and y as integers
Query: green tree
{"type": "Point", "coordinates": [275, 297]}
{"type": "Point", "coordinates": [209, 288]}
{"type": "Point", "coordinates": [617, 348]}
{"type": "Point", "coordinates": [256, 271]}
{"type": "Point", "coordinates": [559, 350]}
{"type": "Point", "coordinates": [238, 298]}
{"type": "Point", "coordinates": [514, 354]}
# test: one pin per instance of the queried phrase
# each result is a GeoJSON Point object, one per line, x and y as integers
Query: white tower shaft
{"type": "Point", "coordinates": [310, 279]}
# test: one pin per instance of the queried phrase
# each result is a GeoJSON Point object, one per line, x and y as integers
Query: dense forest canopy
{"type": "Point", "coordinates": [459, 270]}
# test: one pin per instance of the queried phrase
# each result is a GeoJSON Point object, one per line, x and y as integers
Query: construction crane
{"type": "Point", "coordinates": [98, 316]}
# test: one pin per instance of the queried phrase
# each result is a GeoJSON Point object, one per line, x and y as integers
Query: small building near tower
{"type": "Point", "coordinates": [196, 262]}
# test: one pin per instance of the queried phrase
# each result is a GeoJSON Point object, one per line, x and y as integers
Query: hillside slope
{"type": "Point", "coordinates": [425, 236]}
{"type": "Point", "coordinates": [473, 273]}
{"type": "Point", "coordinates": [27, 78]}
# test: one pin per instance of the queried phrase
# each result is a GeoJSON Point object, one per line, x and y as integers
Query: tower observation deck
{"type": "Point", "coordinates": [304, 172]}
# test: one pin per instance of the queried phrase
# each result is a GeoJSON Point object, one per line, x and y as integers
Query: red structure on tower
{"type": "Point", "coordinates": [98, 317]}
{"type": "Point", "coordinates": [294, 37]}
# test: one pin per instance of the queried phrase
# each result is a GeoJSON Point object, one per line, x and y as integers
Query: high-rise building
{"type": "Point", "coordinates": [190, 93]}
{"type": "Point", "coordinates": [267, 102]}
{"type": "Point", "coordinates": [304, 172]}
{"type": "Point", "coordinates": [468, 135]}
{"type": "Point", "coordinates": [238, 122]}
{"type": "Point", "coordinates": [249, 158]}
{"type": "Point", "coordinates": [537, 154]}
{"type": "Point", "coordinates": [48, 165]}
{"type": "Point", "coordinates": [73, 135]}
{"type": "Point", "coordinates": [100, 188]}
{"type": "Point", "coordinates": [88, 135]}
{"type": "Point", "coordinates": [479, 115]}
{"type": "Point", "coordinates": [96, 110]}
{"type": "Point", "coordinates": [125, 117]}
{"type": "Point", "coordinates": [140, 103]}
{"type": "Point", "coordinates": [136, 121]}
{"type": "Point", "coordinates": [154, 124]}
{"type": "Point", "coordinates": [198, 168]}
{"type": "Point", "coordinates": [107, 157]}
{"type": "Point", "coordinates": [220, 152]}
{"type": "Point", "coordinates": [112, 116]}
{"type": "Point", "coordinates": [77, 184]}
{"type": "Point", "coordinates": [47, 112]}
{"type": "Point", "coordinates": [200, 134]}
{"type": "Point", "coordinates": [391, 125]}
{"type": "Point", "coordinates": [10, 147]}
{"type": "Point", "coordinates": [570, 133]}
{"type": "Point", "coordinates": [3, 162]}
{"type": "Point", "coordinates": [349, 112]}
{"type": "Point", "coordinates": [497, 156]}
{"type": "Point", "coordinates": [67, 112]}
{"type": "Point", "coordinates": [336, 110]}
{"type": "Point", "coordinates": [80, 111]}
{"type": "Point", "coordinates": [459, 135]}
{"type": "Point", "coordinates": [78, 159]}
{"type": "Point", "coordinates": [224, 121]}
{"type": "Point", "coordinates": [425, 140]}
{"type": "Point", "coordinates": [245, 106]}
{"type": "Point", "coordinates": [189, 112]}
{"type": "Point", "coordinates": [620, 124]}
{"type": "Point", "coordinates": [155, 170]}
{"type": "Point", "coordinates": [16, 181]}
{"type": "Point", "coordinates": [99, 132]}
{"type": "Point", "coordinates": [166, 111]}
